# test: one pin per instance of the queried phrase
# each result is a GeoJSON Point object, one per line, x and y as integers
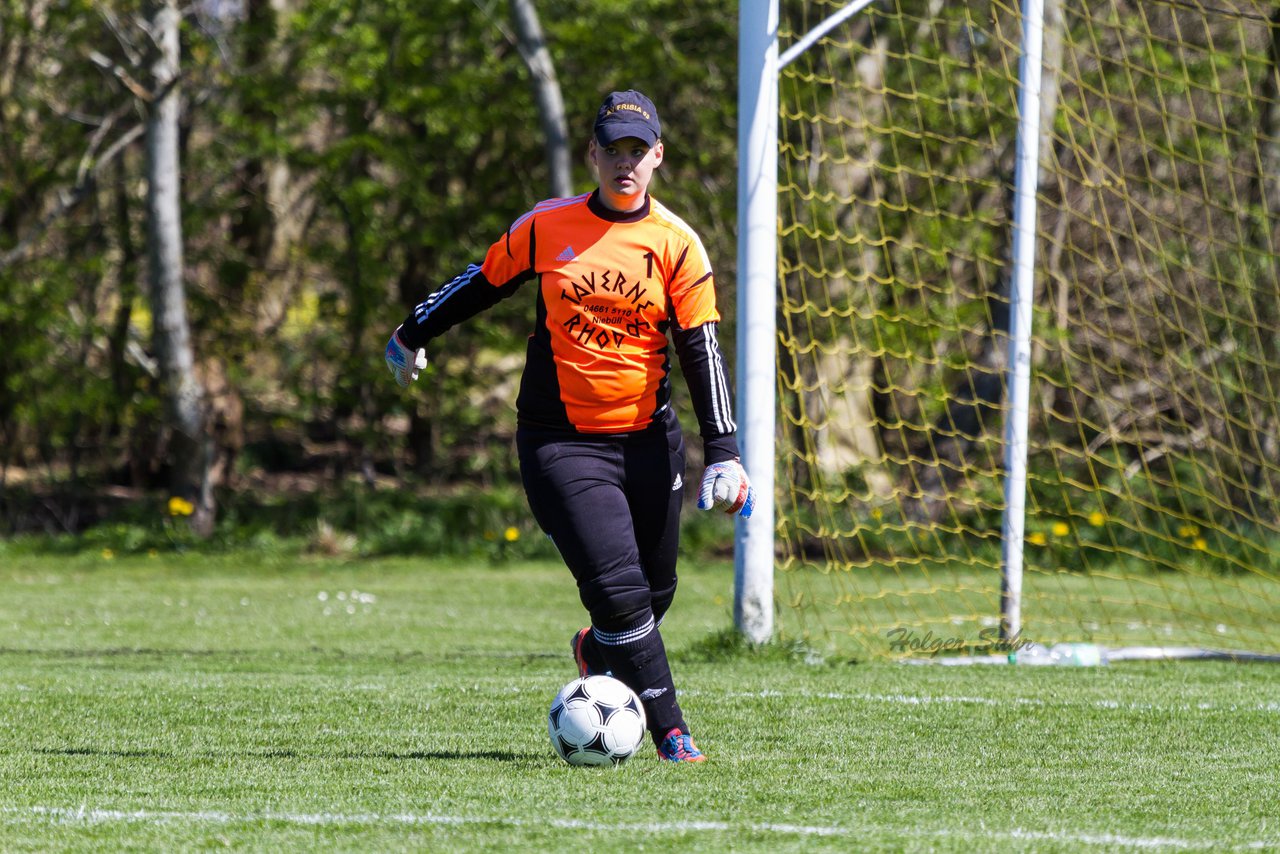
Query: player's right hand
{"type": "Point", "coordinates": [403, 362]}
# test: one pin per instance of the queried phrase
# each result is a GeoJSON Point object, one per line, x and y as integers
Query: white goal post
{"type": "Point", "coordinates": [757, 343]}
{"type": "Point", "coordinates": [759, 64]}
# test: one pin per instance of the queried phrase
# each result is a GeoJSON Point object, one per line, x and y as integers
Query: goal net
{"type": "Point", "coordinates": [1153, 480]}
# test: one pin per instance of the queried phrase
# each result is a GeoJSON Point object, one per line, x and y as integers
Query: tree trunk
{"type": "Point", "coordinates": [191, 450]}
{"type": "Point", "coordinates": [546, 92]}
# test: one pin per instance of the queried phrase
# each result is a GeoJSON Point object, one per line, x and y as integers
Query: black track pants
{"type": "Point", "coordinates": [612, 507]}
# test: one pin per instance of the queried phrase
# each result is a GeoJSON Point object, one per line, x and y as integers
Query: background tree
{"type": "Point", "coordinates": [546, 92]}
{"type": "Point", "coordinates": [190, 452]}
{"type": "Point", "coordinates": [339, 162]}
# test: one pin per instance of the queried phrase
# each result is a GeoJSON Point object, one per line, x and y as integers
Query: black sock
{"type": "Point", "coordinates": [638, 659]}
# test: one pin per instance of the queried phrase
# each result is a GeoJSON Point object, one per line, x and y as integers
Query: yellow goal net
{"type": "Point", "coordinates": [1153, 469]}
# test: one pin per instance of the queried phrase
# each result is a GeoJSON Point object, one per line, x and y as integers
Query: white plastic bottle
{"type": "Point", "coordinates": [1031, 653]}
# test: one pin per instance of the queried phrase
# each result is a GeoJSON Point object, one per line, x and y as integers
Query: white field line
{"type": "Point", "coordinates": [87, 816]}
{"type": "Point", "coordinates": [1272, 707]}
{"type": "Point", "coordinates": [947, 699]}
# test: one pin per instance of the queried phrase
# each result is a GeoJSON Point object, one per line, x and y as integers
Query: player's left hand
{"type": "Point", "coordinates": [403, 362]}
{"type": "Point", "coordinates": [726, 485]}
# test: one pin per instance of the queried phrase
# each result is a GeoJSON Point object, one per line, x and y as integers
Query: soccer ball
{"type": "Point", "coordinates": [596, 720]}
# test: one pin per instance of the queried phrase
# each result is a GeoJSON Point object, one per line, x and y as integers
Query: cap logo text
{"type": "Point", "coordinates": [635, 108]}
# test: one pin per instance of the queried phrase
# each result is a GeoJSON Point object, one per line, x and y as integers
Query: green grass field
{"type": "Point", "coordinates": [261, 701]}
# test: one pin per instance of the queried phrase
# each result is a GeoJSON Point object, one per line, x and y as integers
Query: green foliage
{"type": "Point", "coordinates": [349, 520]}
{"type": "Point", "coordinates": [341, 161]}
{"type": "Point", "coordinates": [352, 520]}
{"type": "Point", "coordinates": [51, 407]}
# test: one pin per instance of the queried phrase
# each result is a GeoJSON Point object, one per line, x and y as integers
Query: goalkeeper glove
{"type": "Point", "coordinates": [403, 362]}
{"type": "Point", "coordinates": [726, 485]}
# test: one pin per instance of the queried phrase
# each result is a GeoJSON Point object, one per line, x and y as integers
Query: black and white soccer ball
{"type": "Point", "coordinates": [596, 720]}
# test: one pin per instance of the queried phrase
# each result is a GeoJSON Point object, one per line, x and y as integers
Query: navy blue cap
{"type": "Point", "coordinates": [625, 114]}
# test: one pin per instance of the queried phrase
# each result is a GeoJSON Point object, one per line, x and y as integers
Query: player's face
{"type": "Point", "coordinates": [625, 168]}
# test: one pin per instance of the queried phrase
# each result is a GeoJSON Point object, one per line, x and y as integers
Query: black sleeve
{"type": "Point", "coordinates": [708, 380]}
{"type": "Point", "coordinates": [453, 302]}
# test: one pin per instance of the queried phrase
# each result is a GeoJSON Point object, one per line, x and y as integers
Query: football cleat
{"type": "Point", "coordinates": [679, 747]}
{"type": "Point", "coordinates": [578, 644]}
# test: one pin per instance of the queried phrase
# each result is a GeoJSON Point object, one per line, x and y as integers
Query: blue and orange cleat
{"type": "Point", "coordinates": [679, 747]}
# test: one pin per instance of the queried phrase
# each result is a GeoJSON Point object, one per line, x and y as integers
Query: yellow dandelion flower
{"type": "Point", "coordinates": [1036, 538]}
{"type": "Point", "coordinates": [877, 514]}
{"type": "Point", "coordinates": [1061, 529]}
{"type": "Point", "coordinates": [108, 554]}
{"type": "Point", "coordinates": [511, 534]}
{"type": "Point", "coordinates": [180, 507]}
{"type": "Point", "coordinates": [1188, 531]}
{"type": "Point", "coordinates": [1199, 544]}
{"type": "Point", "coordinates": [1097, 519]}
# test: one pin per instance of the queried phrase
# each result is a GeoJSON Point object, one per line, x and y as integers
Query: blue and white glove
{"type": "Point", "coordinates": [726, 485]}
{"type": "Point", "coordinates": [403, 362]}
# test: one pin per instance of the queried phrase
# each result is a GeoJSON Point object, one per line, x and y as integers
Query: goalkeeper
{"type": "Point", "coordinates": [600, 449]}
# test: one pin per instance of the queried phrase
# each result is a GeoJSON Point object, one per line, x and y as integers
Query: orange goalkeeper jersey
{"type": "Point", "coordinates": [611, 286]}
